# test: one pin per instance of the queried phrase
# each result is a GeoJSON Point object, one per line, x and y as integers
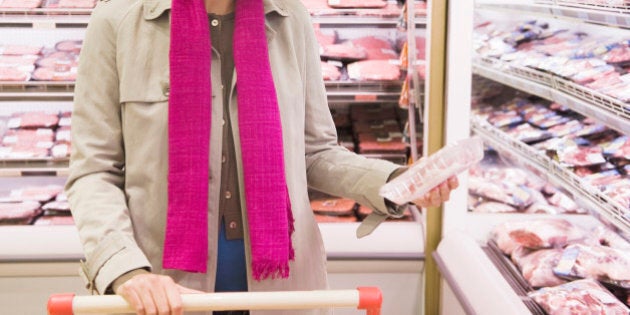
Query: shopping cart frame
{"type": "Point", "coordinates": [363, 298]}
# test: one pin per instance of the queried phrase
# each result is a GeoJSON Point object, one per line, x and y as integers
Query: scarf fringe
{"type": "Point", "coordinates": [270, 270]}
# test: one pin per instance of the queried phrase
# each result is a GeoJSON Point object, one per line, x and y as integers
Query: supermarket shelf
{"type": "Point", "coordinates": [333, 21]}
{"type": "Point", "coordinates": [34, 167]}
{"type": "Point", "coordinates": [44, 18]}
{"type": "Point", "coordinates": [363, 91]}
{"type": "Point", "coordinates": [607, 110]}
{"type": "Point", "coordinates": [520, 153]}
{"type": "Point", "coordinates": [36, 90]}
{"type": "Point", "coordinates": [605, 15]}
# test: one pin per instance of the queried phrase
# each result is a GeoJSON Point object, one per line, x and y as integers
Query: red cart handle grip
{"type": "Point", "coordinates": [60, 304]}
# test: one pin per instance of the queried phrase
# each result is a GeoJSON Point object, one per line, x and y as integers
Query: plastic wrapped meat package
{"type": "Point", "coordinates": [536, 266]}
{"type": "Point", "coordinates": [330, 72]}
{"type": "Point", "coordinates": [19, 213]}
{"type": "Point", "coordinates": [332, 209]}
{"type": "Point", "coordinates": [579, 297]}
{"type": "Point", "coordinates": [429, 172]}
{"type": "Point", "coordinates": [605, 264]}
{"type": "Point", "coordinates": [374, 70]}
{"type": "Point", "coordinates": [535, 234]}
{"type": "Point", "coordinates": [20, 4]}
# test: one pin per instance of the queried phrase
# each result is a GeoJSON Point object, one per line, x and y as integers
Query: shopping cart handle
{"type": "Point", "coordinates": [363, 298]}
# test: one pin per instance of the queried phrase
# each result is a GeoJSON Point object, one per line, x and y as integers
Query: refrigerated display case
{"type": "Point", "coordinates": [478, 278]}
{"type": "Point", "coordinates": [37, 260]}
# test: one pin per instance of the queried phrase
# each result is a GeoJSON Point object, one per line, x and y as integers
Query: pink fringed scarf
{"type": "Point", "coordinates": [266, 195]}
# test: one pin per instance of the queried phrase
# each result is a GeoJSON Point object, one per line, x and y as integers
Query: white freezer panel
{"type": "Point", "coordinates": [478, 285]}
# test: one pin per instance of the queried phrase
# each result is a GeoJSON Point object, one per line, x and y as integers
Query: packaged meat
{"type": "Point", "coordinates": [604, 236]}
{"type": "Point", "coordinates": [373, 70]}
{"type": "Point", "coordinates": [602, 263]}
{"type": "Point", "coordinates": [372, 126]}
{"type": "Point", "coordinates": [51, 74]}
{"type": "Point", "coordinates": [348, 4]}
{"type": "Point", "coordinates": [493, 207]}
{"type": "Point", "coordinates": [566, 129]}
{"type": "Point", "coordinates": [563, 201]}
{"type": "Point", "coordinates": [325, 38]}
{"type": "Point", "coordinates": [528, 134]}
{"type": "Point", "coordinates": [65, 119]}
{"type": "Point", "coordinates": [381, 54]}
{"type": "Point", "coordinates": [23, 152]}
{"type": "Point", "coordinates": [381, 143]}
{"type": "Point", "coordinates": [20, 49]}
{"type": "Point", "coordinates": [54, 220]}
{"type": "Point", "coordinates": [535, 234]}
{"type": "Point", "coordinates": [618, 148]}
{"type": "Point", "coordinates": [330, 72]}
{"type": "Point", "coordinates": [18, 213]}
{"type": "Point", "coordinates": [73, 46]}
{"type": "Point", "coordinates": [548, 122]}
{"type": "Point", "coordinates": [372, 42]}
{"type": "Point", "coordinates": [61, 150]}
{"type": "Point", "coordinates": [58, 60]}
{"type": "Point", "coordinates": [39, 138]}
{"type": "Point", "coordinates": [333, 206]}
{"type": "Point", "coordinates": [20, 4]}
{"type": "Point", "coordinates": [581, 156]}
{"type": "Point", "coordinates": [503, 119]}
{"type": "Point", "coordinates": [619, 191]}
{"type": "Point", "coordinates": [602, 179]}
{"type": "Point", "coordinates": [373, 113]}
{"type": "Point", "coordinates": [14, 74]}
{"type": "Point", "coordinates": [429, 172]}
{"type": "Point", "coordinates": [33, 193]}
{"type": "Point", "coordinates": [536, 266]}
{"type": "Point", "coordinates": [32, 120]}
{"type": "Point", "coordinates": [321, 218]}
{"type": "Point", "coordinates": [344, 52]}
{"type": "Point", "coordinates": [578, 297]}
{"type": "Point", "coordinates": [513, 195]}
{"type": "Point", "coordinates": [24, 62]}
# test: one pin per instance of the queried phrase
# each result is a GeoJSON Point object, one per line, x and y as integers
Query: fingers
{"type": "Point", "coordinates": [185, 290]}
{"type": "Point", "coordinates": [151, 294]}
{"type": "Point", "coordinates": [438, 195]}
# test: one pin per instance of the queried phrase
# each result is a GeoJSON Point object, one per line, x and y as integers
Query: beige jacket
{"type": "Point", "coordinates": [117, 184]}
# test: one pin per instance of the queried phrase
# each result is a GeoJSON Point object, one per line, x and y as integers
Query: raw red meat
{"type": "Point", "coordinates": [343, 52]}
{"type": "Point", "coordinates": [385, 144]}
{"type": "Point", "coordinates": [51, 74]}
{"type": "Point", "coordinates": [25, 62]}
{"type": "Point", "coordinates": [582, 297]}
{"type": "Point", "coordinates": [35, 193]}
{"type": "Point", "coordinates": [493, 207]}
{"type": "Point", "coordinates": [73, 46]}
{"type": "Point", "coordinates": [13, 74]}
{"type": "Point", "coordinates": [535, 234]}
{"type": "Point", "coordinates": [18, 212]}
{"type": "Point", "coordinates": [377, 70]}
{"type": "Point", "coordinates": [604, 236]}
{"type": "Point", "coordinates": [33, 120]}
{"type": "Point", "coordinates": [325, 39]}
{"type": "Point", "coordinates": [537, 266]}
{"type": "Point", "coordinates": [77, 4]}
{"type": "Point", "coordinates": [372, 42]}
{"type": "Point", "coordinates": [333, 206]}
{"type": "Point", "coordinates": [345, 4]}
{"type": "Point", "coordinates": [330, 72]}
{"type": "Point", "coordinates": [320, 218]}
{"type": "Point", "coordinates": [319, 7]}
{"type": "Point", "coordinates": [381, 54]}
{"type": "Point", "coordinates": [581, 156]}
{"type": "Point", "coordinates": [20, 4]}
{"type": "Point", "coordinates": [41, 138]}
{"type": "Point", "coordinates": [598, 262]}
{"type": "Point", "coordinates": [22, 152]}
{"type": "Point", "coordinates": [54, 220]}
{"type": "Point", "coordinates": [20, 50]}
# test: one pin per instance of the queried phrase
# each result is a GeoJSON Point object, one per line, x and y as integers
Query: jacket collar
{"type": "Point", "coordinates": [152, 9]}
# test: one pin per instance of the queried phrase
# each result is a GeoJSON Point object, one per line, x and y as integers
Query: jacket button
{"type": "Point", "coordinates": [232, 225]}
{"type": "Point", "coordinates": [228, 195]}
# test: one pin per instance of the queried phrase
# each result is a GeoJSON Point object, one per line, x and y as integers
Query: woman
{"type": "Point", "coordinates": [184, 178]}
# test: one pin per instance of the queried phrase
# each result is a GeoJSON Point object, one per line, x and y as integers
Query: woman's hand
{"type": "Point", "coordinates": [437, 195]}
{"type": "Point", "coordinates": [151, 294]}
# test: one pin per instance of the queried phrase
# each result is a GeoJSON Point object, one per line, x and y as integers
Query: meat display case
{"type": "Point", "coordinates": [36, 260]}
{"type": "Point", "coordinates": [475, 279]}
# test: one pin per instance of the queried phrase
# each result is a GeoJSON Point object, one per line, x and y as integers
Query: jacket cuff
{"type": "Point", "coordinates": [115, 255]}
{"type": "Point", "coordinates": [378, 178]}
{"type": "Point", "coordinates": [124, 278]}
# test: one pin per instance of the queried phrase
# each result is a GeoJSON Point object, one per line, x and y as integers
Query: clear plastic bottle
{"type": "Point", "coordinates": [427, 173]}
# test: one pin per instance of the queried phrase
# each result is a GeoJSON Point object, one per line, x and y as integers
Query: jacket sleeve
{"type": "Point", "coordinates": [331, 168]}
{"type": "Point", "coordinates": [96, 181]}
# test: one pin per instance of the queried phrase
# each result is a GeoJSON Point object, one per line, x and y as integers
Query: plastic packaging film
{"type": "Point", "coordinates": [429, 172]}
